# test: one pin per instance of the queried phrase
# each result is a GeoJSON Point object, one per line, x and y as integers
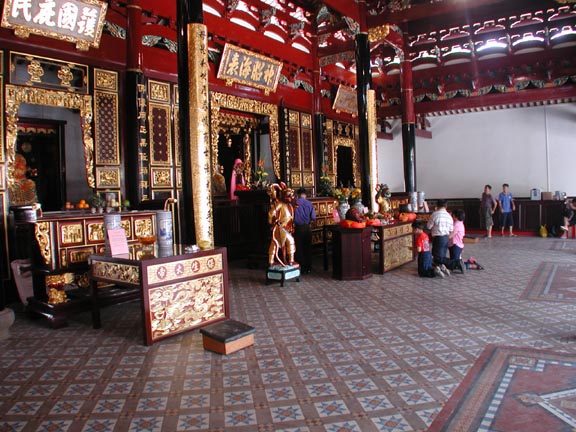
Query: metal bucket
{"type": "Point", "coordinates": [164, 228]}
{"type": "Point", "coordinates": [111, 221]}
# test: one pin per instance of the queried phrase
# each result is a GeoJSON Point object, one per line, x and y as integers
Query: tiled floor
{"type": "Point", "coordinates": [383, 354]}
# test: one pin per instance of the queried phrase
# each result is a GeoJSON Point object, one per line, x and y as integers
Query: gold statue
{"type": "Point", "coordinates": [280, 218]}
{"type": "Point", "coordinates": [383, 199]}
{"type": "Point", "coordinates": [56, 296]}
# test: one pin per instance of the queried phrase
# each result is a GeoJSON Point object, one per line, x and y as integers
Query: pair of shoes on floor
{"type": "Point", "coordinates": [564, 236]}
{"type": "Point", "coordinates": [513, 235]}
{"type": "Point", "coordinates": [444, 269]}
{"type": "Point", "coordinates": [462, 265]}
{"type": "Point", "coordinates": [439, 272]}
{"type": "Point", "coordinates": [487, 236]}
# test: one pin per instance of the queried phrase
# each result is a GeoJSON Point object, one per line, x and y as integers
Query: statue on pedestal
{"type": "Point", "coordinates": [280, 218]}
{"type": "Point", "coordinates": [383, 195]}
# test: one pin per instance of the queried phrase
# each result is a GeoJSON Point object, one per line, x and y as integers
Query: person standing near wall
{"type": "Point", "coordinates": [507, 208]}
{"type": "Point", "coordinates": [303, 217]}
{"type": "Point", "coordinates": [488, 206]}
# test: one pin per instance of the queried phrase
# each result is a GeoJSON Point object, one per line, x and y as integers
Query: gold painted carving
{"type": "Point", "coordinates": [183, 269]}
{"type": "Point", "coordinates": [346, 142]}
{"type": "Point", "coordinates": [124, 273]}
{"type": "Point", "coordinates": [397, 251]}
{"type": "Point", "coordinates": [395, 231]}
{"type": "Point", "coordinates": [80, 255]}
{"type": "Point", "coordinates": [16, 95]}
{"type": "Point", "coordinates": [306, 120]}
{"type": "Point", "coordinates": [293, 118]}
{"type": "Point", "coordinates": [125, 224]}
{"type": "Point", "coordinates": [161, 177]}
{"type": "Point", "coordinates": [159, 91]}
{"type": "Point", "coordinates": [42, 234]}
{"type": "Point", "coordinates": [143, 227]}
{"type": "Point", "coordinates": [377, 34]}
{"type": "Point", "coordinates": [221, 100]}
{"type": "Point", "coordinates": [36, 71]}
{"type": "Point", "coordinates": [71, 233]}
{"type": "Point", "coordinates": [199, 133]}
{"type": "Point", "coordinates": [105, 80]}
{"type": "Point", "coordinates": [107, 177]}
{"type": "Point", "coordinates": [96, 232]}
{"type": "Point", "coordinates": [181, 306]}
{"type": "Point", "coordinates": [296, 179]}
{"type": "Point", "coordinates": [65, 76]}
{"type": "Point", "coordinates": [2, 177]}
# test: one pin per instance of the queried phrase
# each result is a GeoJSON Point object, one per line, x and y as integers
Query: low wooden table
{"type": "Point", "coordinates": [179, 291]}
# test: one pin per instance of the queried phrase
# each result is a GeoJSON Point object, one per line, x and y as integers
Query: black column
{"type": "Point", "coordinates": [409, 152]}
{"type": "Point", "coordinates": [364, 82]}
{"type": "Point", "coordinates": [189, 12]}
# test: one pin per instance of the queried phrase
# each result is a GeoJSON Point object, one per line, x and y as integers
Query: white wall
{"type": "Point", "coordinates": [525, 147]}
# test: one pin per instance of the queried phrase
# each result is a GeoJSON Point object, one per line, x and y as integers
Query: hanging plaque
{"type": "Point", "coordinates": [78, 21]}
{"type": "Point", "coordinates": [346, 101]}
{"type": "Point", "coordinates": [245, 67]}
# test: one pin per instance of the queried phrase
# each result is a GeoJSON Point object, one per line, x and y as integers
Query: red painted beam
{"type": "Point", "coordinates": [490, 100]}
{"type": "Point", "coordinates": [345, 8]}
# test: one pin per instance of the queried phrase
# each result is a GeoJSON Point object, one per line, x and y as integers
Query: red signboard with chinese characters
{"type": "Point", "coordinates": [78, 21]}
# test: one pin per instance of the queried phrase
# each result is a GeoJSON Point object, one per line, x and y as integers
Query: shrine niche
{"type": "Point", "coordinates": [220, 103]}
{"type": "Point", "coordinates": [15, 97]}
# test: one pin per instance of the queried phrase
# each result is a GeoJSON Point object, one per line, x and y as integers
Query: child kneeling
{"type": "Point", "coordinates": [425, 267]}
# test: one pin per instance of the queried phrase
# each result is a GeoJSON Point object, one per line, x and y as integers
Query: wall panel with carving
{"type": "Point", "coordinates": [162, 157]}
{"type": "Point", "coordinates": [300, 149]}
{"type": "Point", "coordinates": [107, 131]}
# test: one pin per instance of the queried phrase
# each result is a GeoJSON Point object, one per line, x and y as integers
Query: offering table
{"type": "Point", "coordinates": [60, 245]}
{"type": "Point", "coordinates": [179, 291]}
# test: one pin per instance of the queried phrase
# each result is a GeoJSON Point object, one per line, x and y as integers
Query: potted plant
{"type": "Point", "coordinates": [98, 203]}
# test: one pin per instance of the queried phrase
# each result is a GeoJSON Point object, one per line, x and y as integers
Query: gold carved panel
{"type": "Point", "coordinates": [143, 227]}
{"type": "Point", "coordinates": [72, 233]}
{"type": "Point", "coordinates": [294, 118]}
{"type": "Point", "coordinates": [95, 232]}
{"type": "Point", "coordinates": [395, 231]}
{"type": "Point", "coordinates": [177, 307]}
{"type": "Point", "coordinates": [79, 255]}
{"type": "Point", "coordinates": [173, 271]}
{"type": "Point", "coordinates": [306, 120]}
{"type": "Point", "coordinates": [178, 178]}
{"type": "Point", "coordinates": [125, 223]}
{"type": "Point", "coordinates": [397, 251]}
{"type": "Point", "coordinates": [124, 273]}
{"type": "Point", "coordinates": [161, 177]}
{"type": "Point", "coordinates": [159, 91]}
{"type": "Point", "coordinates": [296, 179]}
{"type": "Point", "coordinates": [106, 128]}
{"type": "Point", "coordinates": [159, 117]}
{"type": "Point", "coordinates": [107, 177]}
{"type": "Point", "coordinates": [106, 80]}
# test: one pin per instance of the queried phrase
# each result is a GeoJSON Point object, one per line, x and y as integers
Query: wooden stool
{"type": "Point", "coordinates": [227, 336]}
{"type": "Point", "coordinates": [282, 274]}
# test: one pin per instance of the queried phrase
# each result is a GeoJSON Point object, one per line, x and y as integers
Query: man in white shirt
{"type": "Point", "coordinates": [441, 225]}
